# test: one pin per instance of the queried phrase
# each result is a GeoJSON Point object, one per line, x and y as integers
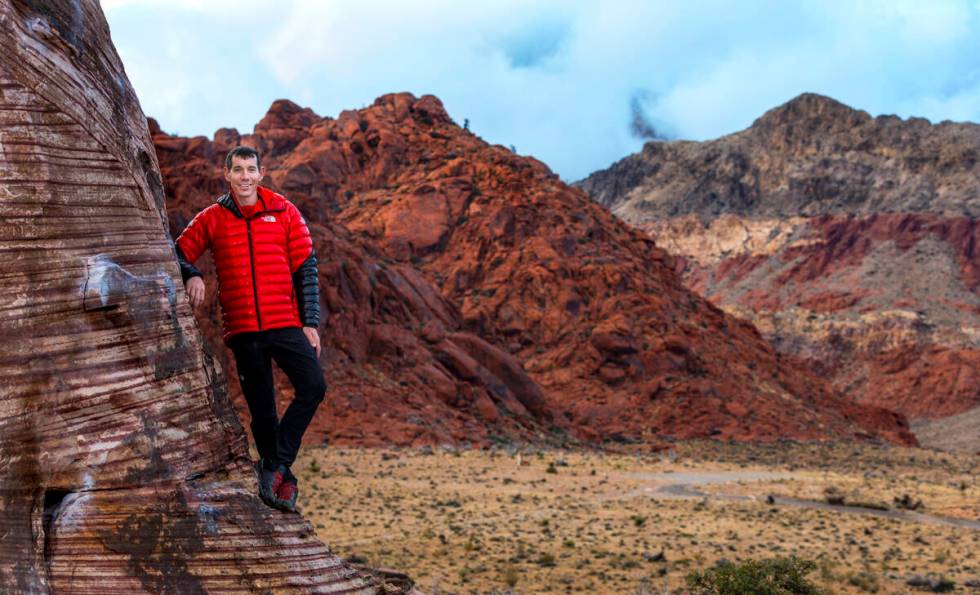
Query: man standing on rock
{"type": "Point", "coordinates": [268, 287]}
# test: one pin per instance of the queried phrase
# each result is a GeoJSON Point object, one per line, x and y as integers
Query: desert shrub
{"type": "Point", "coordinates": [776, 576]}
{"type": "Point", "coordinates": [833, 495]}
{"type": "Point", "coordinates": [510, 575]}
{"type": "Point", "coordinates": [932, 583]}
{"type": "Point", "coordinates": [907, 502]}
{"type": "Point", "coordinates": [864, 580]}
{"type": "Point", "coordinates": [826, 568]}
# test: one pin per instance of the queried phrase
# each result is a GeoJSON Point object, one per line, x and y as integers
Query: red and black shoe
{"type": "Point", "coordinates": [288, 491]}
{"type": "Point", "coordinates": [269, 483]}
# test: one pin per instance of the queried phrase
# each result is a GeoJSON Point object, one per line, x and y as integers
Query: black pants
{"type": "Point", "coordinates": [278, 441]}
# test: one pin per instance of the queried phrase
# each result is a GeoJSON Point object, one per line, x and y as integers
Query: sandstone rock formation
{"type": "Point", "coordinates": [123, 467]}
{"type": "Point", "coordinates": [850, 241]}
{"type": "Point", "coordinates": [400, 368]}
{"type": "Point", "coordinates": [537, 278]}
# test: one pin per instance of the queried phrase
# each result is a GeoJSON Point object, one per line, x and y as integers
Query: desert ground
{"type": "Point", "coordinates": [517, 519]}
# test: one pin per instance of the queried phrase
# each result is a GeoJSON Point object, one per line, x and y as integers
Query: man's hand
{"type": "Point", "coordinates": [314, 338]}
{"type": "Point", "coordinates": [195, 291]}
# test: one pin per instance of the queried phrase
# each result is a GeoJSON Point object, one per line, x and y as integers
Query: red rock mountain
{"type": "Point", "coordinates": [850, 241]}
{"type": "Point", "coordinates": [471, 295]}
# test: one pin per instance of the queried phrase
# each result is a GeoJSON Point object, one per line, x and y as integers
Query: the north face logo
{"type": "Point", "coordinates": [269, 218]}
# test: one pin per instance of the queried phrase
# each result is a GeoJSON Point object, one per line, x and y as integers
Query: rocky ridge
{"type": "Point", "coordinates": [592, 312]}
{"type": "Point", "coordinates": [810, 156]}
{"type": "Point", "coordinates": [850, 241]}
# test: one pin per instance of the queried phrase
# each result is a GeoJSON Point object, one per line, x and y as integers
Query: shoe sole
{"type": "Point", "coordinates": [279, 504]}
{"type": "Point", "coordinates": [289, 506]}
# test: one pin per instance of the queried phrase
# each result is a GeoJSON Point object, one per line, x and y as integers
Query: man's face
{"type": "Point", "coordinates": [244, 177]}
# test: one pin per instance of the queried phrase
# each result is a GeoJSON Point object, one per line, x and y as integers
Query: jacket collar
{"type": "Point", "coordinates": [269, 202]}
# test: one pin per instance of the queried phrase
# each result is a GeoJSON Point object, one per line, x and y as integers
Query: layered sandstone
{"type": "Point", "coordinates": [850, 241]}
{"type": "Point", "coordinates": [123, 467]}
{"type": "Point", "coordinates": [553, 297]}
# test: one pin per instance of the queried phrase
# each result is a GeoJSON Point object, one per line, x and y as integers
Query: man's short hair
{"type": "Point", "coordinates": [244, 153]}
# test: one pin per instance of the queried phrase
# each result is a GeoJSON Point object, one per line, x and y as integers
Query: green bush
{"type": "Point", "coordinates": [776, 576]}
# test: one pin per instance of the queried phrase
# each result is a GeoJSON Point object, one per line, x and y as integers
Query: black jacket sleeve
{"type": "Point", "coordinates": [187, 270]}
{"type": "Point", "coordinates": [306, 284]}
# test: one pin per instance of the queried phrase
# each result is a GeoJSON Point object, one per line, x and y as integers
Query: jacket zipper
{"type": "Point", "coordinates": [255, 284]}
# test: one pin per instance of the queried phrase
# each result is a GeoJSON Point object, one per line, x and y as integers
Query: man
{"type": "Point", "coordinates": [270, 305]}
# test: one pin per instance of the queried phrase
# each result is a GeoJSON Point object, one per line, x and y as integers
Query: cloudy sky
{"type": "Point", "coordinates": [563, 80]}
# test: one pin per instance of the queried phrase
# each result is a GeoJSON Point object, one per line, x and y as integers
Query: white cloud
{"type": "Point", "coordinates": [552, 78]}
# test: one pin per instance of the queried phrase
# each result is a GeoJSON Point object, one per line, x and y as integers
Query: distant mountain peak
{"type": "Point", "coordinates": [814, 111]}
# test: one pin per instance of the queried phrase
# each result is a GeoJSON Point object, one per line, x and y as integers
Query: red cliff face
{"type": "Point", "coordinates": [557, 313]}
{"type": "Point", "coordinates": [850, 241]}
{"type": "Point", "coordinates": [123, 467]}
{"type": "Point", "coordinates": [890, 301]}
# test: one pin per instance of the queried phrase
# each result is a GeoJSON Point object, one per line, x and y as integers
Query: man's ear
{"type": "Point", "coordinates": [262, 172]}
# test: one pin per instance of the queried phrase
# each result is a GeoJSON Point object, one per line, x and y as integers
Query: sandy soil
{"type": "Point", "coordinates": [514, 520]}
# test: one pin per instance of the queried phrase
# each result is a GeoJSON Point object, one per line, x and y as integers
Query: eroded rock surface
{"type": "Point", "coordinates": [850, 241]}
{"type": "Point", "coordinates": [543, 281]}
{"type": "Point", "coordinates": [123, 467]}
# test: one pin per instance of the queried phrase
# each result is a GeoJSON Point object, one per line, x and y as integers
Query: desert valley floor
{"type": "Point", "coordinates": [511, 520]}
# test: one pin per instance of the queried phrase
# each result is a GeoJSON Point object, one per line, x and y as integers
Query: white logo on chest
{"type": "Point", "coordinates": [269, 218]}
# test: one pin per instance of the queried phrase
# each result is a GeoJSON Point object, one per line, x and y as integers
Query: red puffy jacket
{"type": "Point", "coordinates": [267, 276]}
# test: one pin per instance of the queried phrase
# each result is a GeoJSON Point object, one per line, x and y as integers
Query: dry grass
{"type": "Point", "coordinates": [560, 521]}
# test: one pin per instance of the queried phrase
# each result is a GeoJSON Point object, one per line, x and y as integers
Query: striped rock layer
{"type": "Point", "coordinates": [122, 466]}
{"type": "Point", "coordinates": [849, 241]}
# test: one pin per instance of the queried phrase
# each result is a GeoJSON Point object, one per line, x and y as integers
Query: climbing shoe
{"type": "Point", "coordinates": [288, 491]}
{"type": "Point", "coordinates": [269, 483]}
